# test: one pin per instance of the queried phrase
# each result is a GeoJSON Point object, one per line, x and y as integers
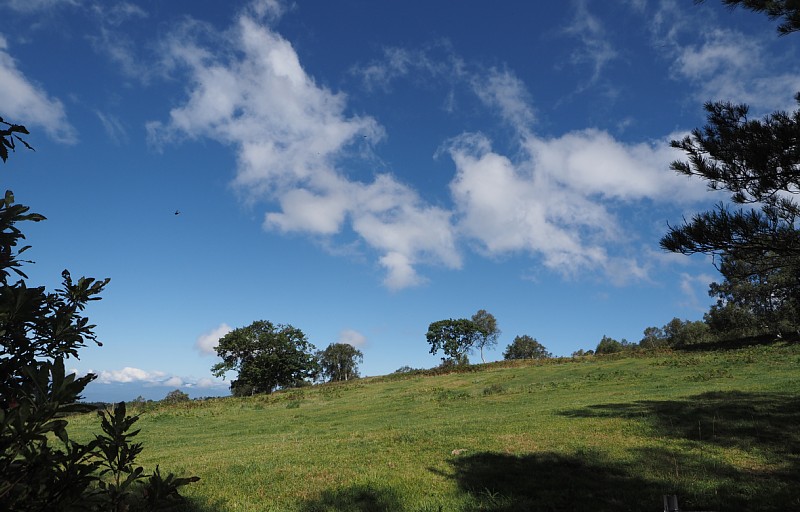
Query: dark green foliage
{"type": "Point", "coordinates": [684, 333]}
{"type": "Point", "coordinates": [488, 332]}
{"type": "Point", "coordinates": [9, 134]}
{"type": "Point", "coordinates": [266, 357]}
{"type": "Point", "coordinates": [654, 337]}
{"type": "Point", "coordinates": [161, 493]}
{"type": "Point", "coordinates": [117, 454]}
{"type": "Point", "coordinates": [175, 396]}
{"type": "Point", "coordinates": [611, 346]}
{"type": "Point", "coordinates": [454, 337]}
{"type": "Point", "coordinates": [339, 362]}
{"type": "Point", "coordinates": [525, 347]}
{"type": "Point", "coordinates": [756, 161]}
{"type": "Point", "coordinates": [755, 299]}
{"type": "Point", "coordinates": [678, 334]}
{"type": "Point", "coordinates": [405, 369]}
{"type": "Point", "coordinates": [788, 11]}
{"type": "Point", "coordinates": [41, 468]}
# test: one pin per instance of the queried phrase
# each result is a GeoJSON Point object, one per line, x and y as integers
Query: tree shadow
{"type": "Point", "coordinates": [759, 433]}
{"type": "Point", "coordinates": [194, 504]}
{"type": "Point", "coordinates": [765, 421]}
{"type": "Point", "coordinates": [355, 498]}
{"type": "Point", "coordinates": [553, 482]}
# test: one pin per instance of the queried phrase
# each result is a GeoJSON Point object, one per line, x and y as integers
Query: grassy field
{"type": "Point", "coordinates": [719, 429]}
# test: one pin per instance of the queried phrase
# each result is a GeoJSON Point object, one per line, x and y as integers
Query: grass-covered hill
{"type": "Point", "coordinates": [719, 429]}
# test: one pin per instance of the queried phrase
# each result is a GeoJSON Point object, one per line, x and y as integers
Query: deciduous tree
{"type": "Point", "coordinates": [175, 396]}
{"type": "Point", "coordinates": [525, 347]}
{"type": "Point", "coordinates": [266, 357]}
{"type": "Point", "coordinates": [488, 332]}
{"type": "Point", "coordinates": [339, 362]}
{"type": "Point", "coordinates": [454, 337]}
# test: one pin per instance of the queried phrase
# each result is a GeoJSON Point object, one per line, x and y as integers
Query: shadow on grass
{"type": "Point", "coordinates": [735, 451]}
{"type": "Point", "coordinates": [356, 498]}
{"type": "Point", "coordinates": [552, 482]}
{"type": "Point", "coordinates": [769, 422]}
{"type": "Point", "coordinates": [200, 505]}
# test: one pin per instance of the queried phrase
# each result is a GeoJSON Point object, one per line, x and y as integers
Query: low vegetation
{"type": "Point", "coordinates": [721, 429]}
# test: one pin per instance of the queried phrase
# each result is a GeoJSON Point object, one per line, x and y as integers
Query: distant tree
{"type": "Point", "coordinates": [339, 362]}
{"type": "Point", "coordinates": [266, 357]}
{"type": "Point", "coordinates": [654, 337]}
{"type": "Point", "coordinates": [611, 346]}
{"type": "Point", "coordinates": [525, 347]}
{"type": "Point", "coordinates": [454, 337]}
{"type": "Point", "coordinates": [488, 331]}
{"type": "Point", "coordinates": [682, 333]}
{"type": "Point", "coordinates": [581, 353]}
{"type": "Point", "coordinates": [405, 369]}
{"type": "Point", "coordinates": [175, 396]}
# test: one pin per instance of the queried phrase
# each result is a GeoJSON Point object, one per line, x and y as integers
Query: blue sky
{"type": "Point", "coordinates": [361, 169]}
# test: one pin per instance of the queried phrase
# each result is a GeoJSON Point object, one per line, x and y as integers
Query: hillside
{"type": "Point", "coordinates": [719, 429]}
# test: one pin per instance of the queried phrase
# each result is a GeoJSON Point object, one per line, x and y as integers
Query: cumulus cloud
{"type": "Point", "coordinates": [352, 338]}
{"type": "Point", "coordinates": [207, 342]}
{"type": "Point", "coordinates": [289, 133]}
{"type": "Point", "coordinates": [556, 197]}
{"type": "Point", "coordinates": [26, 102]}
{"type": "Point", "coordinates": [130, 375]}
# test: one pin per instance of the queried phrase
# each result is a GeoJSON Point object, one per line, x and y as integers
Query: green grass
{"type": "Point", "coordinates": [720, 429]}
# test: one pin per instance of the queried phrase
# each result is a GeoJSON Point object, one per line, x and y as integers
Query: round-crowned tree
{"type": "Point", "coordinates": [525, 347]}
{"type": "Point", "coordinates": [266, 356]}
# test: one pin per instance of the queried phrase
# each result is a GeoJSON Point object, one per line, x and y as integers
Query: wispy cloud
{"type": "Point", "coordinates": [32, 6]}
{"type": "Point", "coordinates": [595, 49]}
{"type": "Point", "coordinates": [724, 63]}
{"type": "Point", "coordinates": [25, 102]}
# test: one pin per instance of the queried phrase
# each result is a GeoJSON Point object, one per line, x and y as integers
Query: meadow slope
{"type": "Point", "coordinates": [719, 429]}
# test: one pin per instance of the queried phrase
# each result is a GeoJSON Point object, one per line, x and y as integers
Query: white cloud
{"type": "Point", "coordinates": [130, 375]}
{"type": "Point", "coordinates": [174, 382]}
{"type": "Point", "coordinates": [114, 128]}
{"type": "Point", "coordinates": [289, 132]}
{"type": "Point", "coordinates": [596, 49]}
{"type": "Point", "coordinates": [352, 338]}
{"type": "Point", "coordinates": [207, 342]}
{"type": "Point", "coordinates": [30, 6]}
{"type": "Point", "coordinates": [24, 102]}
{"type": "Point", "coordinates": [722, 63]}
{"type": "Point", "coordinates": [694, 286]}
{"type": "Point", "coordinates": [556, 198]}
{"type": "Point", "coordinates": [503, 91]}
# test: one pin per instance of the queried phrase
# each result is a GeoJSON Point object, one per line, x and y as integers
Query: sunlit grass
{"type": "Point", "coordinates": [718, 429]}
